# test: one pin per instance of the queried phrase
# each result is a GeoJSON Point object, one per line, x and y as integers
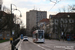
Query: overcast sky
{"type": "Point", "coordinates": [43, 5]}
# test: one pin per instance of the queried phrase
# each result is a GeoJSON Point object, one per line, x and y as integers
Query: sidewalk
{"type": "Point", "coordinates": [5, 46]}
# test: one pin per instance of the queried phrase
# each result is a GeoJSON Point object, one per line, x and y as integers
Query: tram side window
{"type": "Point", "coordinates": [34, 36]}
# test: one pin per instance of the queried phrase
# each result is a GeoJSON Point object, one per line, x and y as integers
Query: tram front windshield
{"type": "Point", "coordinates": [40, 34]}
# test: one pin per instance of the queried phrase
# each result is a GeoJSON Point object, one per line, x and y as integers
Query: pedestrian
{"type": "Point", "coordinates": [11, 40]}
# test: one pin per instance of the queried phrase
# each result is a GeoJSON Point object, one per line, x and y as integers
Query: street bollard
{"type": "Point", "coordinates": [12, 47]}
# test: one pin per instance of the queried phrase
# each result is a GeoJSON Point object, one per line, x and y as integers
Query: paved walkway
{"type": "Point", "coordinates": [5, 46]}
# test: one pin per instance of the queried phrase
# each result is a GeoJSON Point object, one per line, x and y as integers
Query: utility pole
{"type": "Point", "coordinates": [11, 21]}
{"type": "Point", "coordinates": [11, 25]}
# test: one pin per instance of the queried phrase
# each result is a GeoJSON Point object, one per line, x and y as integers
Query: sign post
{"type": "Point", "coordinates": [12, 32]}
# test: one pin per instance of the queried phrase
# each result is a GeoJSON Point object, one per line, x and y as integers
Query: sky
{"type": "Point", "coordinates": [42, 5]}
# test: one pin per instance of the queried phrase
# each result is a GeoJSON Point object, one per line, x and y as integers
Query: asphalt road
{"type": "Point", "coordinates": [55, 45]}
{"type": "Point", "coordinates": [26, 45]}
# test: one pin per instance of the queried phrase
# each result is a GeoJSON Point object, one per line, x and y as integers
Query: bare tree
{"type": "Point", "coordinates": [64, 9]}
{"type": "Point", "coordinates": [72, 8]}
{"type": "Point", "coordinates": [69, 8]}
{"type": "Point", "coordinates": [59, 10]}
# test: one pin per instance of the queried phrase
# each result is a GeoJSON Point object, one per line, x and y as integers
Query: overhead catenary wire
{"type": "Point", "coordinates": [54, 2]}
{"type": "Point", "coordinates": [52, 6]}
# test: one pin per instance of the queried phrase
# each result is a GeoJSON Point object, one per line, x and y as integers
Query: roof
{"type": "Point", "coordinates": [50, 16]}
{"type": "Point", "coordinates": [44, 20]}
{"type": "Point", "coordinates": [64, 15]}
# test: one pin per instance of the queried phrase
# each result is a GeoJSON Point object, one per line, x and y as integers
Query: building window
{"type": "Point", "coordinates": [56, 21]}
{"type": "Point", "coordinates": [62, 20]}
{"type": "Point", "coordinates": [55, 27]}
{"type": "Point", "coordinates": [37, 15]}
{"type": "Point", "coordinates": [64, 25]}
{"type": "Point", "coordinates": [56, 31]}
{"type": "Point", "coordinates": [7, 34]}
{"type": "Point", "coordinates": [0, 35]}
{"type": "Point", "coordinates": [66, 21]}
{"type": "Point", "coordinates": [71, 21]}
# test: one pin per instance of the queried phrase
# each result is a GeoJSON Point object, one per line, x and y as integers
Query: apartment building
{"type": "Point", "coordinates": [62, 23]}
{"type": "Point", "coordinates": [32, 19]}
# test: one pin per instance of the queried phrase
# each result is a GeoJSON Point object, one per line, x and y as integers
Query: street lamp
{"type": "Point", "coordinates": [19, 11]}
{"type": "Point", "coordinates": [15, 9]}
{"type": "Point", "coordinates": [12, 16]}
{"type": "Point", "coordinates": [11, 20]}
{"type": "Point", "coordinates": [17, 24]}
{"type": "Point", "coordinates": [14, 5]}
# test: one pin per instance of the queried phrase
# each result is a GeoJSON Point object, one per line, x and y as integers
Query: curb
{"type": "Point", "coordinates": [18, 46]}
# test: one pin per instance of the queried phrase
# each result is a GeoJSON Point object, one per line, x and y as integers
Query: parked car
{"type": "Point", "coordinates": [25, 38]}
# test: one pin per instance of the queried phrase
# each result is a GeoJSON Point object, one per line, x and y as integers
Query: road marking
{"type": "Point", "coordinates": [39, 45]}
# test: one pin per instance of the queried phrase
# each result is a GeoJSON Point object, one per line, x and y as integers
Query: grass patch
{"type": "Point", "coordinates": [1, 41]}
